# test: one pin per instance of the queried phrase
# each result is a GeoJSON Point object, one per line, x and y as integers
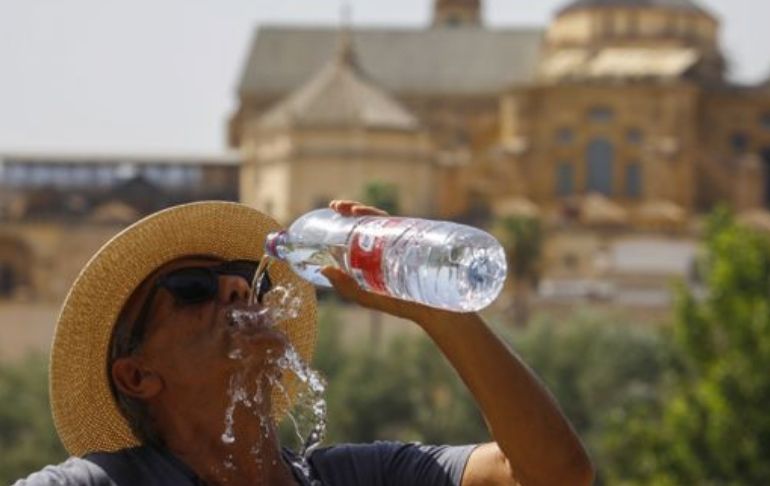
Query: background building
{"type": "Point", "coordinates": [615, 126]}
{"type": "Point", "coordinates": [627, 100]}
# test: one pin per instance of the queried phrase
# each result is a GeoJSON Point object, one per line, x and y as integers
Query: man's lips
{"type": "Point", "coordinates": [249, 319]}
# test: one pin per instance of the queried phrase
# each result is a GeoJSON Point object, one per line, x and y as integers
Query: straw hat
{"type": "Point", "coordinates": [86, 415]}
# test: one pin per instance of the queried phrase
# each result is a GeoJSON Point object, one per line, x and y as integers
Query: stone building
{"type": "Point", "coordinates": [57, 210]}
{"type": "Point", "coordinates": [623, 99]}
{"type": "Point", "coordinates": [630, 101]}
{"type": "Point", "coordinates": [448, 77]}
{"type": "Point", "coordinates": [329, 139]}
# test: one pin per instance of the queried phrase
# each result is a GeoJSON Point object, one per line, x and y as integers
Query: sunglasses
{"type": "Point", "coordinates": [195, 285]}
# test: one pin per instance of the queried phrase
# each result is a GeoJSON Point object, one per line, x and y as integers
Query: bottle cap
{"type": "Point", "coordinates": [272, 241]}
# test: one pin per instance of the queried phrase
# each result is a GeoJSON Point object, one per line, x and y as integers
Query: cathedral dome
{"type": "Point", "coordinates": [633, 39]}
{"type": "Point", "coordinates": [681, 5]}
{"type": "Point", "coordinates": [648, 23]}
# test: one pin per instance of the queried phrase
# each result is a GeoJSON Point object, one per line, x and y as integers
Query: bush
{"type": "Point", "coordinates": [28, 440]}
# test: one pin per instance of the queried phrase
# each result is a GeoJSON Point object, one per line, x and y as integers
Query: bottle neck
{"type": "Point", "coordinates": [275, 244]}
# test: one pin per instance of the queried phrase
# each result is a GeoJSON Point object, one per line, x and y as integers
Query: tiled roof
{"type": "Point", "coordinates": [437, 61]}
{"type": "Point", "coordinates": [340, 96]}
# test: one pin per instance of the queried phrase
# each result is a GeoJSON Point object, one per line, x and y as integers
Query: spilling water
{"type": "Point", "coordinates": [251, 392]}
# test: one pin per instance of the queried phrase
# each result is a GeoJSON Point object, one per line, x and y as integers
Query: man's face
{"type": "Point", "coordinates": [196, 348]}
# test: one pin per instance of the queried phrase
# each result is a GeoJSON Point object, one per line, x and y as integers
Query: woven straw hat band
{"type": "Point", "coordinates": [86, 415]}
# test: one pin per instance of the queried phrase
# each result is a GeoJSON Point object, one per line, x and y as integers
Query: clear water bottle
{"type": "Point", "coordinates": [440, 264]}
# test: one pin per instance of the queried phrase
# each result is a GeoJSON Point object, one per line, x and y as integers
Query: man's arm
{"type": "Point", "coordinates": [535, 445]}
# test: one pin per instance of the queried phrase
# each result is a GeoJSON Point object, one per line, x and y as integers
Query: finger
{"type": "Point", "coordinates": [343, 283]}
{"type": "Point", "coordinates": [343, 206]}
{"type": "Point", "coordinates": [363, 210]}
{"type": "Point", "coordinates": [354, 208]}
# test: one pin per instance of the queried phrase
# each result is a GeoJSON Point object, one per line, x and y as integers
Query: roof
{"type": "Point", "coordinates": [226, 159]}
{"type": "Point", "coordinates": [690, 5]}
{"type": "Point", "coordinates": [339, 95]}
{"type": "Point", "coordinates": [437, 61]}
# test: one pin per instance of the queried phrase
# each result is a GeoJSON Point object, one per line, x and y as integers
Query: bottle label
{"type": "Point", "coordinates": [367, 248]}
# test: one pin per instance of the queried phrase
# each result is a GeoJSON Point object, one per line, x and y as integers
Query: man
{"type": "Point", "coordinates": [146, 351]}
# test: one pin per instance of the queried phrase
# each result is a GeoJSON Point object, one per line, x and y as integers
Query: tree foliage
{"type": "Point", "coordinates": [712, 425]}
{"type": "Point", "coordinates": [599, 367]}
{"type": "Point", "coordinates": [522, 237]}
{"type": "Point", "coordinates": [381, 195]}
{"type": "Point", "coordinates": [403, 391]}
{"type": "Point", "coordinates": [28, 440]}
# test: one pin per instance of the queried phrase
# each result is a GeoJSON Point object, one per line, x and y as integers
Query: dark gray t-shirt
{"type": "Point", "coordinates": [378, 464]}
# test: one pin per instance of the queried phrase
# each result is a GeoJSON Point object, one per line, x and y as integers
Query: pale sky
{"type": "Point", "coordinates": [160, 76]}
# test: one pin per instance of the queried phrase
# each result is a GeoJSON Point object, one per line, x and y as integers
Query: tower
{"type": "Point", "coordinates": [457, 13]}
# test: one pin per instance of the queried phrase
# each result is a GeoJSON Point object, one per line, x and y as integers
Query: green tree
{"type": "Point", "coordinates": [405, 392]}
{"type": "Point", "coordinates": [712, 426]}
{"type": "Point", "coordinates": [28, 440]}
{"type": "Point", "coordinates": [382, 195]}
{"type": "Point", "coordinates": [522, 237]}
{"type": "Point", "coordinates": [598, 366]}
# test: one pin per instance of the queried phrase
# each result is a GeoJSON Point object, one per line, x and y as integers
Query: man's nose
{"type": "Point", "coordinates": [233, 289]}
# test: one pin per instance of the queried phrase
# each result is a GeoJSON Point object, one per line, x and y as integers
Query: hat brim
{"type": "Point", "coordinates": [85, 412]}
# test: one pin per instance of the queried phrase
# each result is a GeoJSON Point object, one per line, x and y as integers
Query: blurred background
{"type": "Point", "coordinates": [620, 150]}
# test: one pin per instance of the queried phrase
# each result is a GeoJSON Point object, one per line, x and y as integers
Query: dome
{"type": "Point", "coordinates": [687, 5]}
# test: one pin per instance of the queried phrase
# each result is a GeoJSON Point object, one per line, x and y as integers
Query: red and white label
{"type": "Point", "coordinates": [367, 248]}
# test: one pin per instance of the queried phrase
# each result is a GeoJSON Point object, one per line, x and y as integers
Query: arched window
{"type": "Point", "coordinates": [599, 158]}
{"type": "Point", "coordinates": [8, 280]}
{"type": "Point", "coordinates": [565, 179]}
{"type": "Point", "coordinates": [634, 181]}
{"type": "Point", "coordinates": [15, 264]}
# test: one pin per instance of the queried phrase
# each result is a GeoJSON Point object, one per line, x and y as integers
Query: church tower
{"type": "Point", "coordinates": [457, 13]}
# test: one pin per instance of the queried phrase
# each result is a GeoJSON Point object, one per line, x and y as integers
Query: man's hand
{"type": "Point", "coordinates": [347, 287]}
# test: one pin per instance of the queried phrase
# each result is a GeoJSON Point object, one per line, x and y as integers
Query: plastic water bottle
{"type": "Point", "coordinates": [440, 264]}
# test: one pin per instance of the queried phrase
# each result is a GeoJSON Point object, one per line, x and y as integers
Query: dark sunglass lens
{"type": "Point", "coordinates": [191, 285]}
{"type": "Point", "coordinates": [244, 269]}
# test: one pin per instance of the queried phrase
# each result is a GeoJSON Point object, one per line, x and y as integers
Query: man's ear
{"type": "Point", "coordinates": [133, 379]}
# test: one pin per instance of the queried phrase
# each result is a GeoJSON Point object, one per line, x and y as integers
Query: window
{"type": "Point", "coordinates": [608, 27]}
{"type": "Point", "coordinates": [633, 23]}
{"type": "Point", "coordinates": [739, 142]}
{"type": "Point", "coordinates": [105, 175]}
{"type": "Point", "coordinates": [17, 174]}
{"type": "Point", "coordinates": [42, 175]}
{"type": "Point", "coordinates": [634, 180]}
{"type": "Point", "coordinates": [599, 157]}
{"type": "Point", "coordinates": [764, 120]}
{"type": "Point", "coordinates": [565, 136]}
{"type": "Point", "coordinates": [600, 114]}
{"type": "Point", "coordinates": [634, 136]}
{"type": "Point", "coordinates": [193, 175]}
{"type": "Point", "coordinates": [7, 280]}
{"type": "Point", "coordinates": [565, 179]}
{"type": "Point", "coordinates": [82, 176]}
{"type": "Point", "coordinates": [454, 20]}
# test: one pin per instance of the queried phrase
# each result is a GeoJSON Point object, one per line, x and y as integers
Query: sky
{"type": "Point", "coordinates": [160, 76]}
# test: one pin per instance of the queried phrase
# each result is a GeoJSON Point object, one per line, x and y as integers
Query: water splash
{"type": "Point", "coordinates": [259, 276]}
{"type": "Point", "coordinates": [310, 405]}
{"type": "Point", "coordinates": [308, 416]}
